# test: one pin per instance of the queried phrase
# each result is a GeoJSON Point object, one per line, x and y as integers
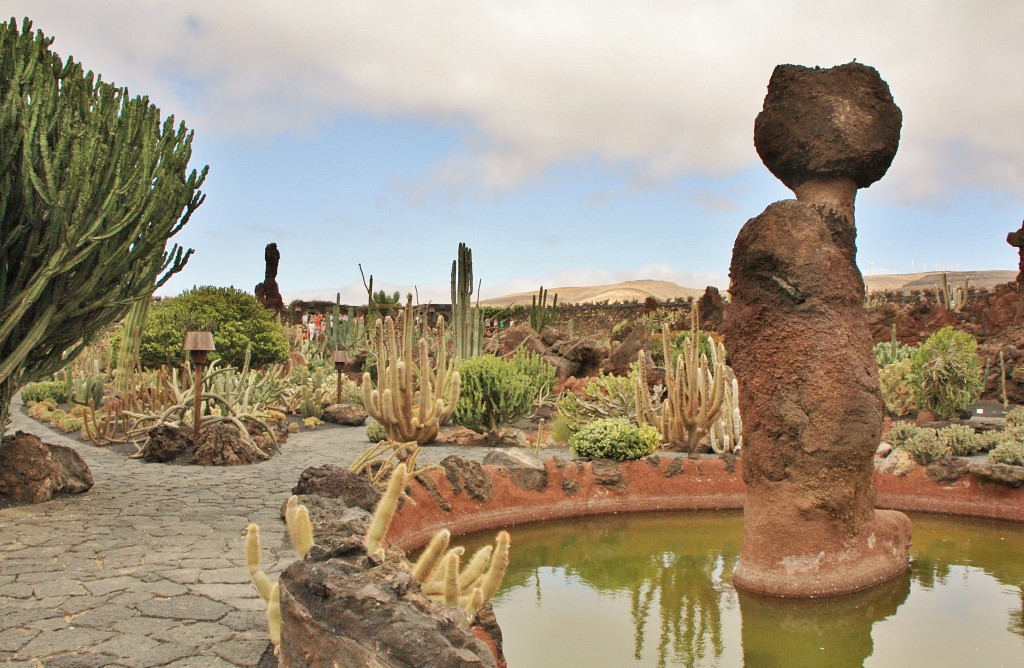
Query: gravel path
{"type": "Point", "coordinates": [148, 567]}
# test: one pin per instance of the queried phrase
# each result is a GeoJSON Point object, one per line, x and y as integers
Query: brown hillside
{"type": "Point", "coordinates": [619, 292]}
{"type": "Point", "coordinates": [927, 280]}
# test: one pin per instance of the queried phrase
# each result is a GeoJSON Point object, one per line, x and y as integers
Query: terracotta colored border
{"type": "Point", "coordinates": [645, 486]}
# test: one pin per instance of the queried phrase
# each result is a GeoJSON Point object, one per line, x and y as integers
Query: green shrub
{"type": "Point", "coordinates": [375, 432]}
{"type": "Point", "coordinates": [946, 373]}
{"type": "Point", "coordinates": [52, 389]}
{"type": "Point", "coordinates": [540, 372]}
{"type": "Point", "coordinates": [493, 394]}
{"type": "Point", "coordinates": [1009, 451]}
{"type": "Point", "coordinates": [614, 438]}
{"type": "Point", "coordinates": [959, 438]}
{"type": "Point", "coordinates": [897, 392]}
{"type": "Point", "coordinates": [236, 318]}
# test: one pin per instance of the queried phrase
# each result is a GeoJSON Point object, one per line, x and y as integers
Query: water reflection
{"type": "Point", "coordinates": [653, 590]}
{"type": "Point", "coordinates": [822, 632]}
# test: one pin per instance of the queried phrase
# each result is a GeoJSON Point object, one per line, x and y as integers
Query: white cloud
{"type": "Point", "coordinates": [664, 87]}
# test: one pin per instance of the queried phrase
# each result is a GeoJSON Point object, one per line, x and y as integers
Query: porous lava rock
{"type": "Point", "coordinates": [824, 124]}
{"type": "Point", "coordinates": [347, 413]}
{"type": "Point", "coordinates": [222, 445]}
{"type": "Point", "coordinates": [166, 443]}
{"type": "Point", "coordinates": [801, 347]}
{"type": "Point", "coordinates": [468, 476]}
{"type": "Point", "coordinates": [338, 482]}
{"type": "Point", "coordinates": [1006, 474]}
{"type": "Point", "coordinates": [33, 472]}
{"type": "Point", "coordinates": [525, 470]}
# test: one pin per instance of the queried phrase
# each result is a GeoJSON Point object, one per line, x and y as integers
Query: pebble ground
{"type": "Point", "coordinates": [148, 567]}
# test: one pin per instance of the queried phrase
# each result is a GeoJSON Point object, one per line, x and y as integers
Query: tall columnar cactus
{"type": "Point", "coordinates": [541, 315]}
{"type": "Point", "coordinates": [92, 185]}
{"type": "Point", "coordinates": [727, 432]}
{"type": "Point", "coordinates": [467, 320]}
{"type": "Point", "coordinates": [695, 386]}
{"type": "Point", "coordinates": [412, 398]}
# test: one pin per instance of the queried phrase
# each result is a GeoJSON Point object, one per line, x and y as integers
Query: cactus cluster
{"type": "Point", "coordinates": [411, 399]}
{"type": "Point", "coordinates": [695, 386]}
{"type": "Point", "coordinates": [438, 569]}
{"type": "Point", "coordinates": [727, 433]}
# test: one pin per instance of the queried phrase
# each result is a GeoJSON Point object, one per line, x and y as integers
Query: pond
{"type": "Point", "coordinates": [654, 590]}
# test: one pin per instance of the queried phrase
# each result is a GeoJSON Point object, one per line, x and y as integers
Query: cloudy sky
{"type": "Point", "coordinates": [568, 143]}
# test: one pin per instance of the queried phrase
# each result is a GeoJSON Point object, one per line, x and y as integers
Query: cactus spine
{"type": "Point", "coordinates": [467, 320]}
{"type": "Point", "coordinates": [541, 315]}
{"type": "Point", "coordinates": [411, 400]}
{"type": "Point", "coordinates": [695, 386]}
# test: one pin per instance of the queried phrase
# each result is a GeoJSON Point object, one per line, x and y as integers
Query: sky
{"type": "Point", "coordinates": [567, 143]}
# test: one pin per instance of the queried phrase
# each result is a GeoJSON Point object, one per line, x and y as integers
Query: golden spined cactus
{"type": "Point", "coordinates": [438, 569]}
{"type": "Point", "coordinates": [412, 398]}
{"type": "Point", "coordinates": [695, 388]}
{"type": "Point", "coordinates": [300, 531]}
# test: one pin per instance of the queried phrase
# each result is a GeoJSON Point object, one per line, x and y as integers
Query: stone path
{"type": "Point", "coordinates": [148, 567]}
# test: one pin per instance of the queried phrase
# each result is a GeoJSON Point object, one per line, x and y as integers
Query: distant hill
{"type": "Point", "coordinates": [669, 291]}
{"type": "Point", "coordinates": [932, 279]}
{"type": "Point", "coordinates": [619, 292]}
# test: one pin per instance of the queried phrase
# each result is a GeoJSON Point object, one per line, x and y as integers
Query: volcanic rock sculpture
{"type": "Point", "coordinates": [268, 293]}
{"type": "Point", "coordinates": [1016, 239]}
{"type": "Point", "coordinates": [801, 347]}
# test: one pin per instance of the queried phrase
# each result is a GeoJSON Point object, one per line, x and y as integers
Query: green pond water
{"type": "Point", "coordinates": [654, 590]}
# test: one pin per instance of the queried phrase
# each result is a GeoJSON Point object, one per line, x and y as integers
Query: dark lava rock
{"type": "Point", "coordinates": [1001, 473]}
{"type": "Point", "coordinates": [525, 470]}
{"type": "Point", "coordinates": [339, 483]}
{"type": "Point", "coordinates": [468, 476]}
{"type": "Point", "coordinates": [167, 443]}
{"type": "Point", "coordinates": [608, 474]}
{"type": "Point", "coordinates": [346, 413]}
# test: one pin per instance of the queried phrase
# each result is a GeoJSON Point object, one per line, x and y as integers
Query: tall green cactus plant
{"type": "Point", "coordinates": [542, 315]}
{"type": "Point", "coordinates": [92, 185]}
{"type": "Point", "coordinates": [696, 390]}
{"type": "Point", "coordinates": [411, 400]}
{"type": "Point", "coordinates": [467, 320]}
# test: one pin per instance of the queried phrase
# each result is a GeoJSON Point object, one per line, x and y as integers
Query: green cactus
{"type": "Point", "coordinates": [467, 320]}
{"type": "Point", "coordinates": [541, 315]}
{"type": "Point", "coordinates": [727, 433]}
{"type": "Point", "coordinates": [95, 183]}
{"type": "Point", "coordinates": [411, 399]}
